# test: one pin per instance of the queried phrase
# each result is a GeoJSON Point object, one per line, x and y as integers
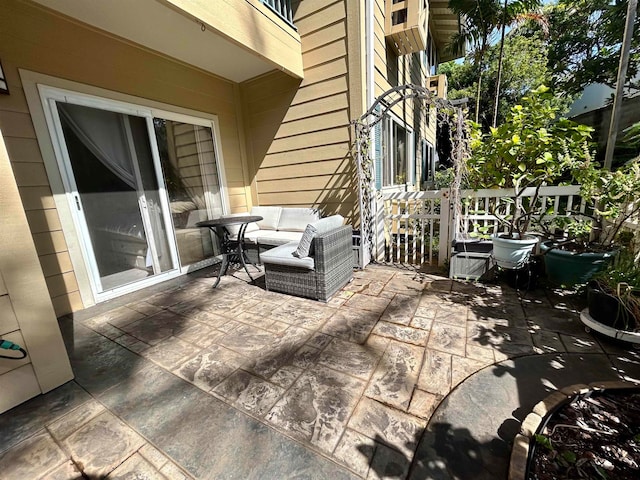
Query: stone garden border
{"type": "Point", "coordinates": [541, 411]}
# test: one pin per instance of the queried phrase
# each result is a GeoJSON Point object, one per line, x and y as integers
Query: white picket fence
{"type": "Point", "coordinates": [412, 227]}
{"type": "Point", "coordinates": [417, 227]}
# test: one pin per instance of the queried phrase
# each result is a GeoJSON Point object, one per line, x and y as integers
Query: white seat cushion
{"type": "Point", "coordinates": [269, 237]}
{"type": "Point", "coordinates": [235, 229]}
{"type": "Point", "coordinates": [270, 217]}
{"type": "Point", "coordinates": [296, 219]}
{"type": "Point", "coordinates": [252, 237]}
{"type": "Point", "coordinates": [283, 255]}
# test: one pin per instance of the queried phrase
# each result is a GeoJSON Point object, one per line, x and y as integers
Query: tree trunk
{"type": "Point", "coordinates": [479, 89]}
{"type": "Point", "coordinates": [478, 96]}
{"type": "Point", "coordinates": [496, 102]}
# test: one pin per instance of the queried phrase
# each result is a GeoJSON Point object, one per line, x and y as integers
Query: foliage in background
{"type": "Point", "coordinates": [514, 14]}
{"type": "Point", "coordinates": [480, 19]}
{"type": "Point", "coordinates": [584, 44]}
{"type": "Point", "coordinates": [613, 197]}
{"type": "Point", "coordinates": [524, 69]}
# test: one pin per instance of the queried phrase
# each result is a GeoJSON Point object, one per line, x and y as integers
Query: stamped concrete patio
{"type": "Point", "coordinates": [182, 381]}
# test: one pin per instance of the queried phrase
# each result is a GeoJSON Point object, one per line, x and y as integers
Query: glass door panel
{"type": "Point", "coordinates": [190, 168]}
{"type": "Point", "coordinates": [111, 173]}
{"type": "Point", "coordinates": [151, 189]}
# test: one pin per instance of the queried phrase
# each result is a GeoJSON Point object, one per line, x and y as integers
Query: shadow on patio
{"type": "Point", "coordinates": [238, 382]}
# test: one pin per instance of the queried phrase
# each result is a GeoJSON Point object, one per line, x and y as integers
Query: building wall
{"type": "Point", "coordinates": [37, 40]}
{"type": "Point", "coordinates": [391, 71]}
{"type": "Point", "coordinates": [26, 313]}
{"type": "Point", "coordinates": [299, 134]}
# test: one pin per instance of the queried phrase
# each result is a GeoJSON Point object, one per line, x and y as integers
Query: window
{"type": "Point", "coordinates": [396, 154]}
{"type": "Point", "coordinates": [430, 56]}
{"type": "Point", "coordinates": [429, 160]}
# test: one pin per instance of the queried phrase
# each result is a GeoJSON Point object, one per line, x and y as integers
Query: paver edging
{"type": "Point", "coordinates": [537, 419]}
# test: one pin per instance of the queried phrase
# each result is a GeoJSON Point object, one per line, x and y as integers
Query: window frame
{"type": "Point", "coordinates": [388, 150]}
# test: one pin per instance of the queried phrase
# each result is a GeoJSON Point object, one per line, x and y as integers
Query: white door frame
{"type": "Point", "coordinates": [48, 97]}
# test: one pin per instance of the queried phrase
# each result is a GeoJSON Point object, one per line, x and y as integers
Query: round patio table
{"type": "Point", "coordinates": [231, 247]}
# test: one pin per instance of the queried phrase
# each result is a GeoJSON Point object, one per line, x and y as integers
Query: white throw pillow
{"type": "Point", "coordinates": [304, 245]}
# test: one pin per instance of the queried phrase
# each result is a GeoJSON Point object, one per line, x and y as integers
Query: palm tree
{"type": "Point", "coordinates": [479, 20]}
{"type": "Point", "coordinates": [515, 14]}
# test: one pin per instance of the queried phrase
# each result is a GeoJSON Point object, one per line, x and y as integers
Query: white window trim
{"type": "Point", "coordinates": [115, 101]}
{"type": "Point", "coordinates": [389, 119]}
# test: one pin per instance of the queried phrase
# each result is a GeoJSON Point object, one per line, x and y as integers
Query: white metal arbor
{"type": "Point", "coordinates": [371, 220]}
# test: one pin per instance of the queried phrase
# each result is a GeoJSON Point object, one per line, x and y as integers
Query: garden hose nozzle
{"type": "Point", "coordinates": [7, 345]}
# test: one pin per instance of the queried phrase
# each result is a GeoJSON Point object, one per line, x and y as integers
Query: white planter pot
{"type": "Point", "coordinates": [513, 253]}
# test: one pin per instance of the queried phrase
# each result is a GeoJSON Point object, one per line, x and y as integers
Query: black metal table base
{"type": "Point", "coordinates": [236, 256]}
{"type": "Point", "coordinates": [231, 248]}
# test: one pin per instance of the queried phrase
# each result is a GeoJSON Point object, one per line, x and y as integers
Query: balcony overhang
{"type": "Point", "coordinates": [443, 24]}
{"type": "Point", "coordinates": [235, 40]}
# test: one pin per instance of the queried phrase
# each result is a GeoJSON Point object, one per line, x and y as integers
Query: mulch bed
{"type": "Point", "coordinates": [595, 436]}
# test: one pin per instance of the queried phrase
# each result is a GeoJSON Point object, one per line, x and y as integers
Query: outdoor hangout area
{"type": "Point", "coordinates": [310, 239]}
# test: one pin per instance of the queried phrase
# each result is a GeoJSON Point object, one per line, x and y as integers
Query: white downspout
{"type": "Point", "coordinates": [370, 98]}
{"type": "Point", "coordinates": [369, 33]}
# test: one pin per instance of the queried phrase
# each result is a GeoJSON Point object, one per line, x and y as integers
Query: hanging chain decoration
{"type": "Point", "coordinates": [450, 113]}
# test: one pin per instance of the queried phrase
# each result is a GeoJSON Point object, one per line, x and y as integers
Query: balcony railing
{"type": "Point", "coordinates": [282, 8]}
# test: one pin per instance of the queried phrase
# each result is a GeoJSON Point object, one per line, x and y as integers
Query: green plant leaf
{"type": "Point", "coordinates": [569, 456]}
{"type": "Point", "coordinates": [544, 441]}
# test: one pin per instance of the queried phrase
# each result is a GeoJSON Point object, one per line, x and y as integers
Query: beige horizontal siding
{"type": "Point", "coordinates": [300, 137]}
{"type": "Point", "coordinates": [318, 92]}
{"type": "Point", "coordinates": [309, 169]}
{"type": "Point", "coordinates": [27, 317]}
{"type": "Point", "coordinates": [62, 283]}
{"type": "Point", "coordinates": [8, 321]}
{"type": "Point", "coordinates": [329, 34]}
{"type": "Point", "coordinates": [318, 154]}
{"type": "Point", "coordinates": [37, 198]}
{"type": "Point", "coordinates": [325, 54]}
{"type": "Point", "coordinates": [313, 123]}
{"type": "Point", "coordinates": [56, 263]}
{"type": "Point", "coordinates": [69, 302]}
{"type": "Point", "coordinates": [333, 69]}
{"type": "Point", "coordinates": [319, 106]}
{"type": "Point", "coordinates": [50, 242]}
{"type": "Point", "coordinates": [23, 149]}
{"type": "Point", "coordinates": [44, 220]}
{"type": "Point", "coordinates": [313, 15]}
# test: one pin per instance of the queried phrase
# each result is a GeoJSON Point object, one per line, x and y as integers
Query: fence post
{"type": "Point", "coordinates": [444, 249]}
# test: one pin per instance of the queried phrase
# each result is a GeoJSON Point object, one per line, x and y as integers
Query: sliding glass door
{"type": "Point", "coordinates": [116, 191]}
{"type": "Point", "coordinates": [190, 168]}
{"type": "Point", "coordinates": [137, 183]}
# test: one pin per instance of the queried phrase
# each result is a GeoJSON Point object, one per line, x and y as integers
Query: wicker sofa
{"type": "Point", "coordinates": [320, 275]}
{"type": "Point", "coordinates": [280, 225]}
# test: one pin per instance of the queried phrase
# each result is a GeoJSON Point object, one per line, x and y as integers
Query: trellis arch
{"type": "Point", "coordinates": [451, 113]}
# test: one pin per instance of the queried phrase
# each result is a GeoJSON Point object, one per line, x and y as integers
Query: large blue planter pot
{"type": "Point", "coordinates": [571, 268]}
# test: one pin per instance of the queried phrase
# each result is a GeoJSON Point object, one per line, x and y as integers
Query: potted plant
{"type": "Point", "coordinates": [613, 299]}
{"type": "Point", "coordinates": [532, 148]}
{"type": "Point", "coordinates": [590, 240]}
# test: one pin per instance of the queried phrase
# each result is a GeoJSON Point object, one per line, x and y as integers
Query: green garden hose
{"type": "Point", "coordinates": [7, 345]}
